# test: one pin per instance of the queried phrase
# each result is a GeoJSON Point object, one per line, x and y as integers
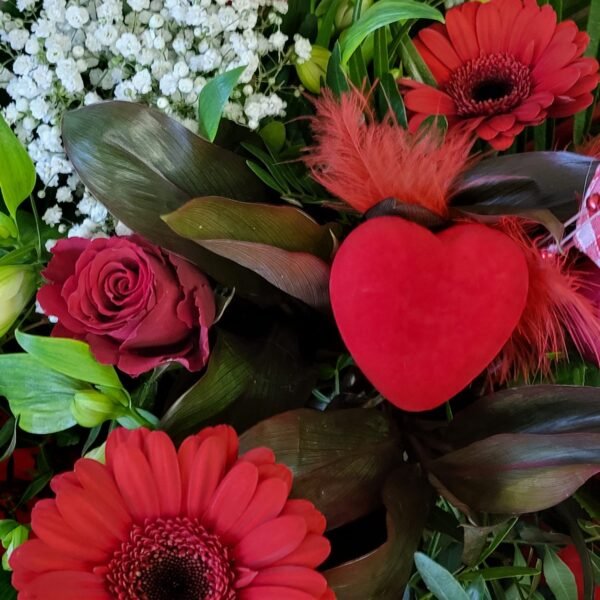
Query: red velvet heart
{"type": "Point", "coordinates": [423, 314]}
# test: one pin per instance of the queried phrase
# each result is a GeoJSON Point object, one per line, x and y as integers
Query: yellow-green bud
{"type": "Point", "coordinates": [91, 408]}
{"type": "Point", "coordinates": [343, 16]}
{"type": "Point", "coordinates": [313, 72]}
{"type": "Point", "coordinates": [17, 285]}
{"type": "Point", "coordinates": [273, 135]}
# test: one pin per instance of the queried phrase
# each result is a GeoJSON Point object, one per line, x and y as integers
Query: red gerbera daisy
{"type": "Point", "coordinates": [157, 524]}
{"type": "Point", "coordinates": [501, 66]}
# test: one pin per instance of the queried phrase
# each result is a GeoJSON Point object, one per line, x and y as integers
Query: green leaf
{"type": "Point", "coordinates": [476, 590]}
{"type": "Point", "coordinates": [559, 577]}
{"type": "Point", "coordinates": [8, 229]}
{"type": "Point", "coordinates": [227, 376]}
{"type": "Point", "coordinates": [285, 227]}
{"type": "Point", "coordinates": [7, 592]}
{"type": "Point", "coordinates": [17, 173]}
{"type": "Point", "coordinates": [11, 541]}
{"type": "Point", "coordinates": [518, 473]}
{"type": "Point", "coordinates": [326, 24]}
{"type": "Point", "coordinates": [415, 66]}
{"type": "Point", "coordinates": [212, 99]}
{"type": "Point", "coordinates": [390, 100]}
{"type": "Point", "coordinates": [529, 409]}
{"type": "Point", "coordinates": [384, 13]}
{"type": "Point", "coordinates": [383, 573]}
{"type": "Point", "coordinates": [299, 274]}
{"type": "Point", "coordinates": [494, 573]}
{"type": "Point", "coordinates": [38, 396]}
{"type": "Point", "coordinates": [157, 165]}
{"type": "Point", "coordinates": [438, 580]}
{"type": "Point", "coordinates": [336, 79]}
{"type": "Point", "coordinates": [8, 433]}
{"type": "Point", "coordinates": [381, 59]}
{"type": "Point", "coordinates": [246, 381]}
{"type": "Point", "coordinates": [69, 357]}
{"type": "Point", "coordinates": [334, 455]}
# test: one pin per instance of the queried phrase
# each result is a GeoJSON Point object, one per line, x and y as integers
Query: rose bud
{"type": "Point", "coordinates": [136, 305]}
{"type": "Point", "coordinates": [17, 285]}
{"type": "Point", "coordinates": [91, 407]}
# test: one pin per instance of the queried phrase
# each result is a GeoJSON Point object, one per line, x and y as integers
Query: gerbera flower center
{"type": "Point", "coordinates": [489, 85]}
{"type": "Point", "coordinates": [171, 559]}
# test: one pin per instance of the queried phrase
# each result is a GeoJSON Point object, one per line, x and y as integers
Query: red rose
{"type": "Point", "coordinates": [136, 305]}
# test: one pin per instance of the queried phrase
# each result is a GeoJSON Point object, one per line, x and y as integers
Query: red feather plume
{"type": "Point", "coordinates": [556, 310]}
{"type": "Point", "coordinates": [363, 161]}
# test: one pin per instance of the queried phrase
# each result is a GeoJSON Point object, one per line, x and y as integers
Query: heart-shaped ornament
{"type": "Point", "coordinates": [423, 314]}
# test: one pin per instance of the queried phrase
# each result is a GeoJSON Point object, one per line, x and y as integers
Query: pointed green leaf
{"type": "Point", "coordinates": [559, 577]}
{"type": "Point", "coordinates": [286, 227]}
{"type": "Point", "coordinates": [334, 455]}
{"type": "Point", "coordinates": [38, 396]}
{"type": "Point", "coordinates": [69, 357]}
{"type": "Point", "coordinates": [212, 100]}
{"type": "Point", "coordinates": [440, 582]}
{"type": "Point", "coordinates": [384, 13]}
{"type": "Point", "coordinates": [17, 173]}
{"type": "Point", "coordinates": [157, 165]}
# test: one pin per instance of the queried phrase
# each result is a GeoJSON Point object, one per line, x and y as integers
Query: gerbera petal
{"type": "Point", "coordinates": [276, 471]}
{"type": "Point", "coordinates": [259, 456]}
{"type": "Point", "coordinates": [273, 593]}
{"type": "Point", "coordinates": [310, 553]}
{"type": "Point", "coordinates": [487, 21]}
{"type": "Point", "coordinates": [66, 585]}
{"type": "Point", "coordinates": [544, 30]}
{"type": "Point", "coordinates": [97, 481]}
{"type": "Point", "coordinates": [207, 471]}
{"type": "Point", "coordinates": [163, 462]}
{"type": "Point", "coordinates": [270, 542]}
{"type": "Point", "coordinates": [228, 435]}
{"type": "Point", "coordinates": [438, 69]}
{"type": "Point", "coordinates": [462, 34]}
{"type": "Point", "coordinates": [35, 557]}
{"type": "Point", "coordinates": [232, 497]}
{"type": "Point", "coordinates": [90, 517]}
{"type": "Point", "coordinates": [439, 45]}
{"type": "Point", "coordinates": [267, 503]}
{"type": "Point", "coordinates": [315, 521]}
{"type": "Point", "coordinates": [502, 142]}
{"type": "Point", "coordinates": [50, 527]}
{"type": "Point", "coordinates": [502, 122]}
{"type": "Point", "coordinates": [136, 483]}
{"type": "Point", "coordinates": [430, 101]}
{"type": "Point", "coordinates": [300, 578]}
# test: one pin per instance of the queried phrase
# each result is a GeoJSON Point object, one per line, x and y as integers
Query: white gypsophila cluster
{"type": "Point", "coordinates": [68, 53]}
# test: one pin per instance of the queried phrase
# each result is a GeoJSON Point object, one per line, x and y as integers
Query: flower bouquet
{"type": "Point", "coordinates": [299, 300]}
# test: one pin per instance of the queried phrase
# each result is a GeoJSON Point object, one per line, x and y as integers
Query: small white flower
{"type": "Point", "coordinates": [302, 48]}
{"type": "Point", "coordinates": [142, 82]}
{"type": "Point", "coordinates": [186, 85]}
{"type": "Point", "coordinates": [77, 16]}
{"type": "Point", "coordinates": [121, 229]}
{"type": "Point", "coordinates": [139, 5]}
{"type": "Point", "coordinates": [64, 195]}
{"type": "Point", "coordinates": [53, 215]}
{"type": "Point", "coordinates": [128, 45]}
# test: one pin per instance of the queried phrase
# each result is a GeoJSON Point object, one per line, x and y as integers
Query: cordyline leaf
{"type": "Point", "coordinates": [142, 164]}
{"type": "Point", "coordinates": [528, 409]}
{"type": "Point", "coordinates": [245, 382]}
{"type": "Point", "coordinates": [383, 573]}
{"type": "Point", "coordinates": [518, 473]}
{"type": "Point", "coordinates": [299, 274]}
{"type": "Point", "coordinates": [227, 376]}
{"type": "Point", "coordinates": [286, 227]}
{"type": "Point", "coordinates": [534, 180]}
{"type": "Point", "coordinates": [335, 456]}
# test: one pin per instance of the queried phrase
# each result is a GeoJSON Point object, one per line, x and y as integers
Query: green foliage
{"type": "Point", "coordinates": [212, 99]}
{"type": "Point", "coordinates": [379, 15]}
{"type": "Point", "coordinates": [17, 173]}
{"type": "Point", "coordinates": [12, 535]}
{"type": "Point", "coordinates": [438, 580]}
{"type": "Point", "coordinates": [559, 577]}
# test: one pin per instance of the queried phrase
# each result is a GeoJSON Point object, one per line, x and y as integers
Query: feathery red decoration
{"type": "Point", "coordinates": [363, 161]}
{"type": "Point", "coordinates": [556, 309]}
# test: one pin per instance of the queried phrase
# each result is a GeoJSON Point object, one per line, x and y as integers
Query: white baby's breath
{"type": "Point", "coordinates": [69, 53]}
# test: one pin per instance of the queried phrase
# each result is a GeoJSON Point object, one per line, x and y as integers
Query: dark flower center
{"type": "Point", "coordinates": [489, 85]}
{"type": "Point", "coordinates": [171, 559]}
